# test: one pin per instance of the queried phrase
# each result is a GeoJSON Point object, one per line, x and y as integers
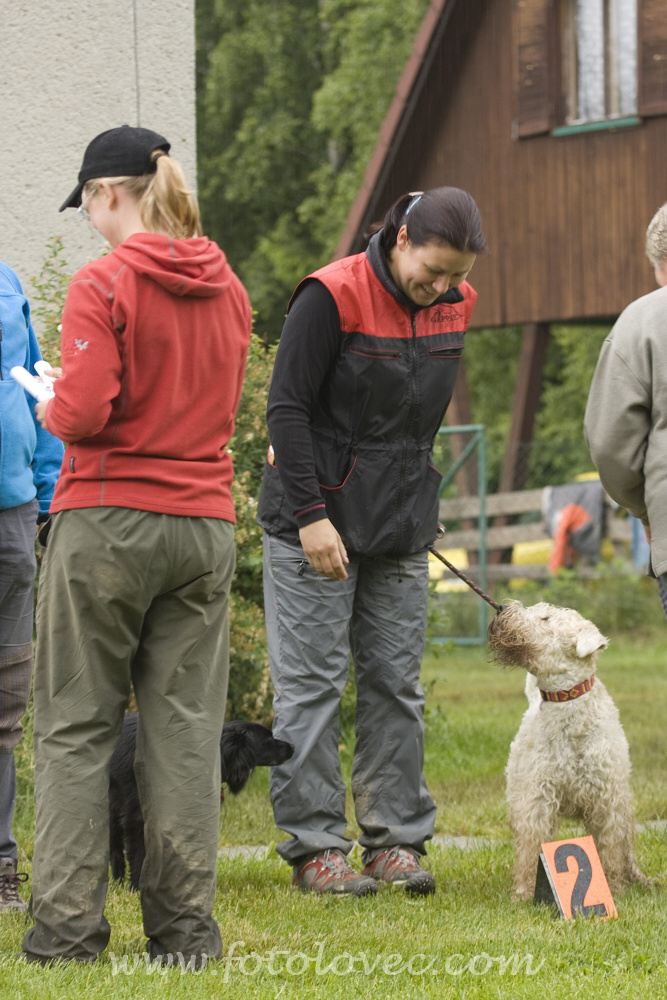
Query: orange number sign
{"type": "Point", "coordinates": [576, 880]}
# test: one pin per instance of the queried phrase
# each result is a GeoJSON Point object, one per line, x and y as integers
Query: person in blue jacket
{"type": "Point", "coordinates": [30, 460]}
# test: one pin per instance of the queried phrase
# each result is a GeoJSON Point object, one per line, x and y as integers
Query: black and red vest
{"type": "Point", "coordinates": [379, 410]}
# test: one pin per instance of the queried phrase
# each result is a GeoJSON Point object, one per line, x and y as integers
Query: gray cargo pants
{"type": "Point", "coordinates": [17, 578]}
{"type": "Point", "coordinates": [129, 595]}
{"type": "Point", "coordinates": [313, 623]}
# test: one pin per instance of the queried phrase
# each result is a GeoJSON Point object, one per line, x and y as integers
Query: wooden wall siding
{"type": "Point", "coordinates": [565, 217]}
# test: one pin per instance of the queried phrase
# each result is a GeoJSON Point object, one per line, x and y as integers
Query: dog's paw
{"type": "Point", "coordinates": [647, 879]}
{"type": "Point", "coordinates": [521, 894]}
{"type": "Point", "coordinates": [619, 885]}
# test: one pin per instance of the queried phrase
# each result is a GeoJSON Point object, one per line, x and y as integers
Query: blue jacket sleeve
{"type": "Point", "coordinates": [48, 455]}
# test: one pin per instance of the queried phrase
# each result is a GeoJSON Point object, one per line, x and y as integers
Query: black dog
{"type": "Point", "coordinates": [243, 746]}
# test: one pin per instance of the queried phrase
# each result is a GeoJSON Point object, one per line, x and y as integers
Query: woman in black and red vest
{"type": "Point", "coordinates": [364, 374]}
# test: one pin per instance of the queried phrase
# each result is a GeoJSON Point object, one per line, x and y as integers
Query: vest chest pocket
{"type": "Point", "coordinates": [446, 353]}
{"type": "Point", "coordinates": [385, 354]}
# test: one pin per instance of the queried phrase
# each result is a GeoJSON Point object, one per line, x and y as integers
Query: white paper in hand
{"type": "Point", "coordinates": [41, 386]}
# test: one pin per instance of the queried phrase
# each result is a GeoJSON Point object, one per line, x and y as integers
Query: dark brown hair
{"type": "Point", "coordinates": [441, 215]}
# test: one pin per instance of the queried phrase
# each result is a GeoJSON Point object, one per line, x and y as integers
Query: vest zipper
{"type": "Point", "coordinates": [408, 421]}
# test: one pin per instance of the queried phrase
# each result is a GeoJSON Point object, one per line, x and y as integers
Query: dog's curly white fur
{"type": "Point", "coordinates": [568, 758]}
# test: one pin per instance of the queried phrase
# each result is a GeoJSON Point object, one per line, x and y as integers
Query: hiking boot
{"type": "Point", "coordinates": [330, 871]}
{"type": "Point", "coordinates": [9, 887]}
{"type": "Point", "coordinates": [401, 867]}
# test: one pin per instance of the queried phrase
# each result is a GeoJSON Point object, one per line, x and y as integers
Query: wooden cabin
{"type": "Point", "coordinates": [553, 114]}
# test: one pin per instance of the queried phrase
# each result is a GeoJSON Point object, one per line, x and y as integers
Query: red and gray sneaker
{"type": "Point", "coordinates": [401, 867]}
{"type": "Point", "coordinates": [9, 887]}
{"type": "Point", "coordinates": [330, 871]}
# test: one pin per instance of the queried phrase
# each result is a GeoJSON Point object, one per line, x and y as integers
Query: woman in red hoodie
{"type": "Point", "coordinates": [136, 580]}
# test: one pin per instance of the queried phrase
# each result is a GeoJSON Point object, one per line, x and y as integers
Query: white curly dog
{"type": "Point", "coordinates": [570, 756]}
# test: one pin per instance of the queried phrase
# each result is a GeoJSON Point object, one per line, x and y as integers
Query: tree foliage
{"type": "Point", "coordinates": [291, 97]}
{"type": "Point", "coordinates": [560, 446]}
{"type": "Point", "coordinates": [559, 452]}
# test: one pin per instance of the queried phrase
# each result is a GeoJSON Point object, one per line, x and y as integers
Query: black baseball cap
{"type": "Point", "coordinates": [119, 152]}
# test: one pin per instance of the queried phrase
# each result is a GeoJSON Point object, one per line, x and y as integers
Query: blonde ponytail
{"type": "Point", "coordinates": [167, 205]}
{"type": "Point", "coordinates": [165, 202]}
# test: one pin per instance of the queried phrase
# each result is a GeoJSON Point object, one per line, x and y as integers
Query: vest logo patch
{"type": "Point", "coordinates": [445, 314]}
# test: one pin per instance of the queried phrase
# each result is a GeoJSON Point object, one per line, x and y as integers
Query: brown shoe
{"type": "Point", "coordinates": [9, 887]}
{"type": "Point", "coordinates": [330, 871]}
{"type": "Point", "coordinates": [401, 867]}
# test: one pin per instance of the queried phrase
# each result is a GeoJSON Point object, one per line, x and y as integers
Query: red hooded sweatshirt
{"type": "Point", "coordinates": [154, 342]}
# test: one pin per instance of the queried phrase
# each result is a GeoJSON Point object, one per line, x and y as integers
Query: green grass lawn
{"type": "Point", "coordinates": [469, 940]}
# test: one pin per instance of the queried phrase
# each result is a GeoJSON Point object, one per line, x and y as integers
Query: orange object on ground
{"type": "Point", "coordinates": [577, 878]}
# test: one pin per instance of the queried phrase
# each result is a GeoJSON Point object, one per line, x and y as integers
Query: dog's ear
{"type": "Point", "coordinates": [589, 641]}
{"type": "Point", "coordinates": [237, 756]}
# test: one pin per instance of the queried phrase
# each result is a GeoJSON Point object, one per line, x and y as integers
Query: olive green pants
{"type": "Point", "coordinates": [129, 595]}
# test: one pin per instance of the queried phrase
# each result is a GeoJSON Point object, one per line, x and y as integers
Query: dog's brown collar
{"type": "Point", "coordinates": [572, 694]}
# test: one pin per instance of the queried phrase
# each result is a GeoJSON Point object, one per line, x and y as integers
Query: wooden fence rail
{"type": "Point", "coordinates": [512, 505]}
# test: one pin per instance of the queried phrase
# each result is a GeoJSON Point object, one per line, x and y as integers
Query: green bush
{"type": "Point", "coordinates": [248, 449]}
{"type": "Point", "coordinates": [250, 693]}
{"type": "Point", "coordinates": [618, 601]}
{"type": "Point", "coordinates": [49, 298]}
{"type": "Point", "coordinates": [454, 614]}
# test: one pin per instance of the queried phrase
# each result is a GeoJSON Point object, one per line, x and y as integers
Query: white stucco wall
{"type": "Point", "coordinates": [69, 70]}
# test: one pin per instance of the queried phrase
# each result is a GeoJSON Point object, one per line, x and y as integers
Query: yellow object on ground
{"type": "Point", "coordinates": [438, 571]}
{"type": "Point", "coordinates": [532, 552]}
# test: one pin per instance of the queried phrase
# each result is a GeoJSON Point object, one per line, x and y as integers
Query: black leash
{"type": "Point", "coordinates": [473, 586]}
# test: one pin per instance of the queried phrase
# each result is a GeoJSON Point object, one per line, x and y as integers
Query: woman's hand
{"type": "Point", "coordinates": [40, 412]}
{"type": "Point", "coordinates": [324, 549]}
{"type": "Point", "coordinates": [647, 532]}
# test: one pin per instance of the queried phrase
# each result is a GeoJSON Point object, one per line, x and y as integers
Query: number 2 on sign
{"type": "Point", "coordinates": [582, 889]}
{"type": "Point", "coordinates": [584, 877]}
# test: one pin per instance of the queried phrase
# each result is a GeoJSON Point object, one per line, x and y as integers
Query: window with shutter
{"type": "Point", "coordinates": [583, 64]}
{"type": "Point", "coordinates": [599, 59]}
